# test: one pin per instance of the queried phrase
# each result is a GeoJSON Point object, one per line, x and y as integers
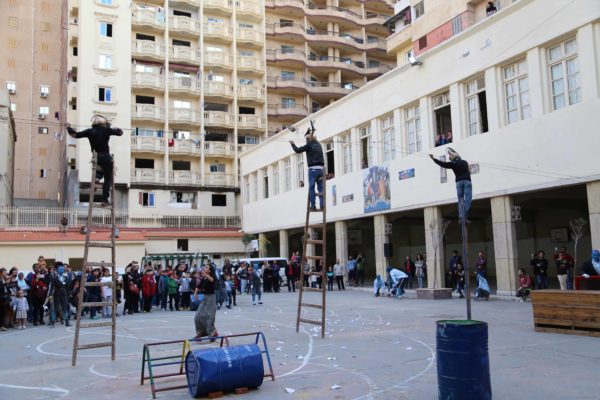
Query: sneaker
{"type": "Point", "coordinates": [24, 326]}
{"type": "Point", "coordinates": [313, 208]}
{"type": "Point", "coordinates": [20, 327]}
{"type": "Point", "coordinates": [521, 301]}
{"type": "Point", "coordinates": [95, 317]}
{"type": "Point", "coordinates": [254, 303]}
{"type": "Point", "coordinates": [260, 302]}
{"type": "Point", "coordinates": [3, 329]}
{"type": "Point", "coordinates": [68, 323]}
{"type": "Point", "coordinates": [105, 203]}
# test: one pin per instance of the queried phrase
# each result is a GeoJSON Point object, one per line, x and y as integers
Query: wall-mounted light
{"type": "Point", "coordinates": [413, 61]}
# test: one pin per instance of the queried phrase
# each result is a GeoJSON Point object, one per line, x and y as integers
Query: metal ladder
{"type": "Point", "coordinates": [317, 240]}
{"type": "Point", "coordinates": [83, 284]}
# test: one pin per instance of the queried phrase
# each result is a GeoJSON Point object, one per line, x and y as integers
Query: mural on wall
{"type": "Point", "coordinates": [376, 189]}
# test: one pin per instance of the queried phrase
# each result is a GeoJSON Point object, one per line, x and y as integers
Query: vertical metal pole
{"type": "Point", "coordinates": [465, 246]}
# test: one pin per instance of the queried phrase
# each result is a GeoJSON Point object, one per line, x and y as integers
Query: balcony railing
{"type": "Point", "coordinates": [313, 87]}
{"type": "Point", "coordinates": [220, 179]}
{"type": "Point", "coordinates": [224, 5]}
{"type": "Point", "coordinates": [249, 121]}
{"type": "Point", "coordinates": [184, 84]}
{"type": "Point", "coordinates": [214, 88]}
{"type": "Point", "coordinates": [253, 63]}
{"type": "Point", "coordinates": [219, 149]}
{"type": "Point", "coordinates": [218, 30]}
{"type": "Point", "coordinates": [148, 112]}
{"type": "Point", "coordinates": [185, 54]}
{"type": "Point", "coordinates": [148, 17]}
{"type": "Point", "coordinates": [184, 24]}
{"type": "Point", "coordinates": [218, 118]}
{"type": "Point", "coordinates": [249, 7]}
{"type": "Point", "coordinates": [184, 115]}
{"type": "Point", "coordinates": [49, 219]}
{"type": "Point", "coordinates": [287, 110]}
{"type": "Point", "coordinates": [148, 48]}
{"type": "Point", "coordinates": [249, 92]}
{"type": "Point", "coordinates": [245, 147]}
{"type": "Point", "coordinates": [147, 80]}
{"type": "Point", "coordinates": [218, 59]}
{"type": "Point", "coordinates": [186, 146]}
{"type": "Point", "coordinates": [185, 178]}
{"type": "Point", "coordinates": [250, 35]}
{"type": "Point", "coordinates": [147, 176]}
{"type": "Point", "coordinates": [147, 144]}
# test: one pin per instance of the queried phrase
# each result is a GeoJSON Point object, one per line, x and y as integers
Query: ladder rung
{"type": "Point", "coordinates": [101, 205]}
{"type": "Point", "coordinates": [95, 324]}
{"type": "Point", "coordinates": [310, 289]}
{"type": "Point", "coordinates": [89, 284]}
{"type": "Point", "coordinates": [316, 225]}
{"type": "Point", "coordinates": [100, 244]}
{"type": "Point", "coordinates": [310, 321]}
{"type": "Point", "coordinates": [316, 210]}
{"type": "Point", "coordinates": [314, 257]}
{"type": "Point", "coordinates": [94, 345]}
{"type": "Point", "coordinates": [311, 305]}
{"type": "Point", "coordinates": [314, 273]}
{"type": "Point", "coordinates": [97, 304]}
{"type": "Point", "coordinates": [98, 264]}
{"type": "Point", "coordinates": [314, 241]}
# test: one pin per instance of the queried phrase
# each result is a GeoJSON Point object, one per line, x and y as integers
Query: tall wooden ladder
{"type": "Point", "coordinates": [315, 233]}
{"type": "Point", "coordinates": [87, 263]}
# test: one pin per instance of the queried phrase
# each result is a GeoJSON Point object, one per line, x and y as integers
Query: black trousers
{"type": "Point", "coordinates": [291, 284]}
{"type": "Point", "coordinates": [105, 162]}
{"type": "Point", "coordinates": [340, 282]}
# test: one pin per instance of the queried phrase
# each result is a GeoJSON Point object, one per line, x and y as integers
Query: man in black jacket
{"type": "Point", "coordinates": [464, 190]}
{"type": "Point", "coordinates": [316, 163]}
{"type": "Point", "coordinates": [591, 267]}
{"type": "Point", "coordinates": [99, 135]}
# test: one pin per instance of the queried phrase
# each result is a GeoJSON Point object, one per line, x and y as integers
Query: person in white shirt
{"type": "Point", "coordinates": [338, 271]}
{"type": "Point", "coordinates": [107, 294]}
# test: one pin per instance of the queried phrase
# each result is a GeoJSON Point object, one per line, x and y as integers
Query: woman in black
{"type": "Point", "coordinates": [205, 316]}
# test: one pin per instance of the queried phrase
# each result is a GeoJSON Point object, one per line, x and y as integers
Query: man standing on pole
{"type": "Point", "coordinates": [464, 190]}
{"type": "Point", "coordinates": [99, 135]}
{"type": "Point", "coordinates": [316, 164]}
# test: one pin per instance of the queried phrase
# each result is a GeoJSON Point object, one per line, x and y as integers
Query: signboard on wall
{"type": "Point", "coordinates": [376, 189]}
{"type": "Point", "coordinates": [348, 198]}
{"type": "Point", "coordinates": [406, 174]}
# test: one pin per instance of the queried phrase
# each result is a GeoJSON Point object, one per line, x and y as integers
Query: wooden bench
{"type": "Point", "coordinates": [574, 312]}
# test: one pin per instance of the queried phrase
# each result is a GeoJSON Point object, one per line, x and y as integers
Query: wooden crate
{"type": "Point", "coordinates": [574, 312]}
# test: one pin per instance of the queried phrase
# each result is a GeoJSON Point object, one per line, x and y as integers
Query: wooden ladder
{"type": "Point", "coordinates": [87, 263]}
{"type": "Point", "coordinates": [311, 237]}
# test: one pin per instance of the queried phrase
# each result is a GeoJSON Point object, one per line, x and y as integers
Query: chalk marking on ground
{"type": "Point", "coordinates": [54, 388]}
{"type": "Point", "coordinates": [48, 353]}
{"type": "Point", "coordinates": [92, 369]}
{"type": "Point", "coordinates": [306, 357]}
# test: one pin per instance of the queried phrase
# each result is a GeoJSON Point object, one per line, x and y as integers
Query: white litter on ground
{"type": "Point", "coordinates": [335, 387]}
{"type": "Point", "coordinates": [289, 390]}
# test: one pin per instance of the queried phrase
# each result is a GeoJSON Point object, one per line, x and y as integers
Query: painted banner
{"type": "Point", "coordinates": [376, 189]}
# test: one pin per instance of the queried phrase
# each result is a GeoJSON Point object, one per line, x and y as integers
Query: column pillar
{"type": "Point", "coordinates": [505, 245]}
{"type": "Point", "coordinates": [434, 247]}
{"type": "Point", "coordinates": [284, 243]}
{"type": "Point", "coordinates": [341, 242]}
{"type": "Point", "coordinates": [262, 244]}
{"type": "Point", "coordinates": [593, 195]}
{"type": "Point", "coordinates": [381, 238]}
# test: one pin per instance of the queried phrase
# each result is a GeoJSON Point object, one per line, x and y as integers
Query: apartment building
{"type": "Point", "coordinates": [516, 92]}
{"type": "Point", "coordinates": [319, 51]}
{"type": "Point", "coordinates": [185, 80]}
{"type": "Point", "coordinates": [32, 72]}
{"type": "Point", "coordinates": [8, 137]}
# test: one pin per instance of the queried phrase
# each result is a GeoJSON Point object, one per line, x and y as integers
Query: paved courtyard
{"type": "Point", "coordinates": [375, 348]}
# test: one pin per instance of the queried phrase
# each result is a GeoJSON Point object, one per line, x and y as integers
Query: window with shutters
{"type": "Point", "coordinates": [419, 9]}
{"type": "Point", "coordinates": [422, 42]}
{"type": "Point", "coordinates": [13, 21]}
{"type": "Point", "coordinates": [442, 118]}
{"type": "Point", "coordinates": [412, 118]}
{"type": "Point", "coordinates": [275, 169]}
{"type": "Point", "coordinates": [287, 175]}
{"type": "Point", "coordinates": [45, 47]}
{"type": "Point", "coordinates": [246, 190]}
{"type": "Point", "coordinates": [44, 67]}
{"type": "Point", "coordinates": [516, 92]}
{"type": "Point", "coordinates": [476, 106]}
{"type": "Point", "coordinates": [106, 29]}
{"type": "Point", "coordinates": [44, 110]}
{"type": "Point", "coordinates": [146, 199]}
{"type": "Point", "coordinates": [183, 197]}
{"type": "Point", "coordinates": [265, 179]}
{"type": "Point", "coordinates": [105, 61]}
{"type": "Point", "coordinates": [565, 82]}
{"type": "Point", "coordinates": [12, 43]}
{"type": "Point", "coordinates": [104, 94]}
{"type": "Point", "coordinates": [216, 168]}
{"type": "Point", "coordinates": [389, 138]}
{"type": "Point", "coordinates": [43, 172]}
{"type": "Point", "coordinates": [366, 146]}
{"type": "Point", "coordinates": [347, 153]}
{"type": "Point", "coordinates": [43, 151]}
{"type": "Point", "coordinates": [12, 63]}
{"type": "Point", "coordinates": [46, 26]}
{"type": "Point", "coordinates": [43, 130]}
{"type": "Point", "coordinates": [11, 87]}
{"type": "Point", "coordinates": [299, 170]}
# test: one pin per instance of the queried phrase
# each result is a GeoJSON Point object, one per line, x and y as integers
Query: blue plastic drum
{"type": "Point", "coordinates": [223, 369]}
{"type": "Point", "coordinates": [463, 363]}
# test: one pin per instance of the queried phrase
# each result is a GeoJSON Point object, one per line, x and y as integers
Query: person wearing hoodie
{"type": "Point", "coordinates": [462, 174]}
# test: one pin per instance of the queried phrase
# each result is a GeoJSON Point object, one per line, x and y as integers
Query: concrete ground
{"type": "Point", "coordinates": [376, 348]}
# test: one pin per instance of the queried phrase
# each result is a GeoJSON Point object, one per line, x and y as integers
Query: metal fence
{"type": "Point", "coordinates": [46, 218]}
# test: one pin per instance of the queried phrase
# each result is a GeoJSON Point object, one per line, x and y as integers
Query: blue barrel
{"type": "Point", "coordinates": [223, 369]}
{"type": "Point", "coordinates": [463, 364]}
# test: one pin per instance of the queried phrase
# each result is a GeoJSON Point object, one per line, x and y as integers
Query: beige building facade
{"type": "Point", "coordinates": [33, 73]}
{"type": "Point", "coordinates": [515, 92]}
{"type": "Point", "coordinates": [319, 51]}
{"type": "Point", "coordinates": [8, 137]}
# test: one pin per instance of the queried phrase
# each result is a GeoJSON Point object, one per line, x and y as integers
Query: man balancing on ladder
{"type": "Point", "coordinates": [464, 190]}
{"type": "Point", "coordinates": [316, 163]}
{"type": "Point", "coordinates": [99, 135]}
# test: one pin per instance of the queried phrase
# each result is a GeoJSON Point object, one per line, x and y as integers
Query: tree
{"type": "Point", "coordinates": [576, 227]}
{"type": "Point", "coordinates": [246, 239]}
{"type": "Point", "coordinates": [435, 242]}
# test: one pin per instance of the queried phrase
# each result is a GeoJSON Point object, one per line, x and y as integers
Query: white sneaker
{"type": "Point", "coordinates": [521, 301]}
{"type": "Point", "coordinates": [20, 327]}
{"type": "Point", "coordinates": [254, 303]}
{"type": "Point", "coordinates": [24, 326]}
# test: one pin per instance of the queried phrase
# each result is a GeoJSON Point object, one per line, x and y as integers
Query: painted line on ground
{"type": "Point", "coordinates": [54, 388]}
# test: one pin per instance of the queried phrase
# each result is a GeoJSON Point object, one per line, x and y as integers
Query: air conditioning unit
{"type": "Point", "coordinates": [41, 116]}
{"type": "Point", "coordinates": [12, 90]}
{"type": "Point", "coordinates": [44, 95]}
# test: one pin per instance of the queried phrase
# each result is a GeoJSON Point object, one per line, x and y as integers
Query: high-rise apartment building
{"type": "Point", "coordinates": [33, 68]}
{"type": "Point", "coordinates": [320, 50]}
{"type": "Point", "coordinates": [185, 80]}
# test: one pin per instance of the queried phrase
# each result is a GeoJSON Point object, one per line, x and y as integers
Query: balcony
{"type": "Point", "coordinates": [218, 31]}
{"type": "Point", "coordinates": [147, 176]}
{"type": "Point", "coordinates": [220, 179]}
{"type": "Point", "coordinates": [148, 18]}
{"type": "Point", "coordinates": [278, 110]}
{"type": "Point", "coordinates": [251, 93]}
{"type": "Point", "coordinates": [249, 121]}
{"type": "Point", "coordinates": [194, 3]}
{"type": "Point", "coordinates": [148, 112]}
{"type": "Point", "coordinates": [286, 57]}
{"type": "Point", "coordinates": [219, 6]}
{"type": "Point", "coordinates": [147, 80]}
{"type": "Point", "coordinates": [245, 147]}
{"type": "Point", "coordinates": [250, 64]}
{"type": "Point", "coordinates": [184, 178]}
{"type": "Point", "coordinates": [184, 84]}
{"type": "Point", "coordinates": [218, 118]}
{"type": "Point", "coordinates": [218, 59]}
{"type": "Point", "coordinates": [250, 36]}
{"type": "Point", "coordinates": [185, 54]}
{"type": "Point", "coordinates": [220, 89]}
{"type": "Point", "coordinates": [148, 49]}
{"type": "Point", "coordinates": [249, 8]}
{"type": "Point", "coordinates": [219, 149]}
{"type": "Point", "coordinates": [147, 144]}
{"type": "Point", "coordinates": [184, 25]}
{"type": "Point", "coordinates": [184, 116]}
{"type": "Point", "coordinates": [190, 147]}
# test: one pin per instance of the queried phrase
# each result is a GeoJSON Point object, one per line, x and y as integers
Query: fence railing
{"type": "Point", "coordinates": [13, 218]}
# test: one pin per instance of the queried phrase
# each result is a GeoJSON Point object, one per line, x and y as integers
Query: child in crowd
{"type": "Point", "coordinates": [460, 279]}
{"type": "Point", "coordinates": [185, 291]}
{"type": "Point", "coordinates": [233, 283]}
{"type": "Point", "coordinates": [313, 279]}
{"type": "Point", "coordinates": [107, 293]}
{"type": "Point", "coordinates": [228, 290]}
{"type": "Point", "coordinates": [330, 279]}
{"type": "Point", "coordinates": [173, 292]}
{"type": "Point", "coordinates": [20, 308]}
{"type": "Point", "coordinates": [378, 284]}
{"type": "Point", "coordinates": [38, 292]}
